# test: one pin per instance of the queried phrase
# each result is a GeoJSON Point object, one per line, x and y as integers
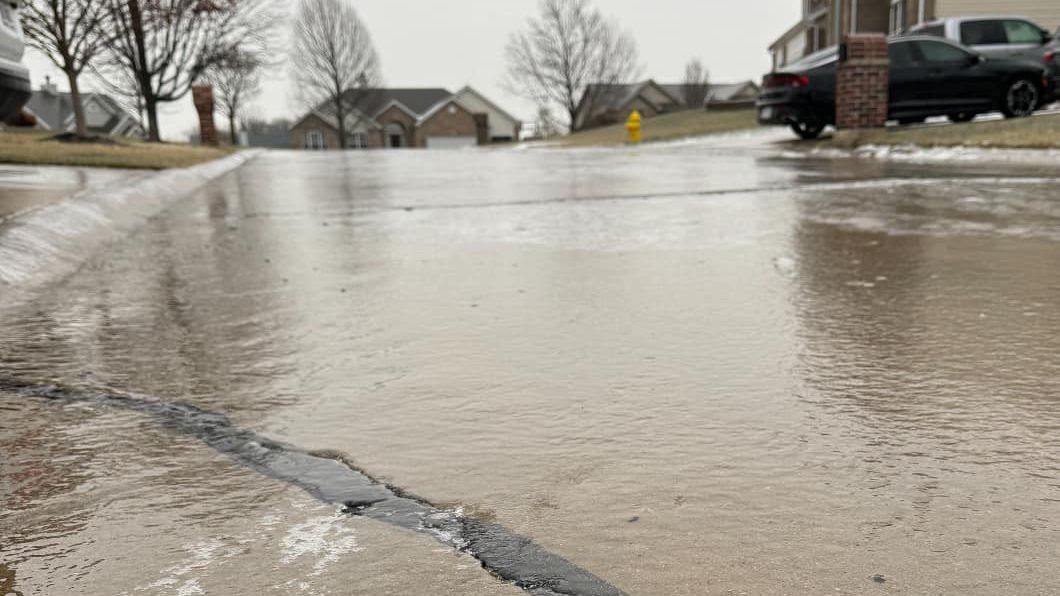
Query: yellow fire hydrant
{"type": "Point", "coordinates": [633, 127]}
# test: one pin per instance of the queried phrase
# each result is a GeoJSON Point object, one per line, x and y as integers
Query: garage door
{"type": "Point", "coordinates": [450, 142]}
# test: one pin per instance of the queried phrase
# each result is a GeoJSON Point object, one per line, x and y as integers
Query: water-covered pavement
{"type": "Point", "coordinates": [26, 187]}
{"type": "Point", "coordinates": [702, 368]}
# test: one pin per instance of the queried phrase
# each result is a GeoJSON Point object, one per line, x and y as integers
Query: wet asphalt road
{"type": "Point", "coordinates": [703, 368]}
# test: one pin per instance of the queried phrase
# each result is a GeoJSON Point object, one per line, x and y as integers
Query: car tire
{"type": "Point", "coordinates": [1020, 98]}
{"type": "Point", "coordinates": [807, 131]}
{"type": "Point", "coordinates": [962, 117]}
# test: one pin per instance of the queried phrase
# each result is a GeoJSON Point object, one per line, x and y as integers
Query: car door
{"type": "Point", "coordinates": [986, 36]}
{"type": "Point", "coordinates": [1025, 40]}
{"type": "Point", "coordinates": [959, 82]}
{"type": "Point", "coordinates": [910, 84]}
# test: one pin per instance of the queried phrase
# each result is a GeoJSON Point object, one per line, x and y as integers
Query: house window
{"type": "Point", "coordinates": [897, 16]}
{"type": "Point", "coordinates": [359, 140]}
{"type": "Point", "coordinates": [314, 140]}
{"type": "Point", "coordinates": [817, 41]}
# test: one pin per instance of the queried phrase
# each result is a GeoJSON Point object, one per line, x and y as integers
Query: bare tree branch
{"type": "Point", "coordinates": [235, 78]}
{"type": "Point", "coordinates": [164, 46]}
{"type": "Point", "coordinates": [696, 85]}
{"type": "Point", "coordinates": [72, 34]}
{"type": "Point", "coordinates": [569, 49]}
{"type": "Point", "coordinates": [334, 60]}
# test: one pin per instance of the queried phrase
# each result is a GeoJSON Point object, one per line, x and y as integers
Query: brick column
{"type": "Point", "coordinates": [862, 82]}
{"type": "Point", "coordinates": [202, 95]}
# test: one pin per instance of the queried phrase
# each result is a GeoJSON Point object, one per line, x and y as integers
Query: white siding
{"type": "Point", "coordinates": [1043, 12]}
{"type": "Point", "coordinates": [500, 124]}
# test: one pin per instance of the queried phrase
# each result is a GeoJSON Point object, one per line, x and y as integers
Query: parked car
{"type": "Point", "coordinates": [15, 87]}
{"type": "Point", "coordinates": [929, 77]}
{"type": "Point", "coordinates": [999, 37]}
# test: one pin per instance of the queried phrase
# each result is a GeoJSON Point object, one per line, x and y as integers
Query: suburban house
{"type": "Point", "coordinates": [54, 111]}
{"type": "Point", "coordinates": [602, 105]}
{"type": "Point", "coordinates": [825, 22]}
{"type": "Point", "coordinates": [399, 118]}
{"type": "Point", "coordinates": [266, 134]}
{"type": "Point", "coordinates": [721, 96]}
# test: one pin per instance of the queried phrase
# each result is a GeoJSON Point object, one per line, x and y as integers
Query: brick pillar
{"type": "Point", "coordinates": [202, 95]}
{"type": "Point", "coordinates": [862, 82]}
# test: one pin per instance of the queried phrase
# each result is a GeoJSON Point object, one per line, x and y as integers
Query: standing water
{"type": "Point", "coordinates": [695, 369]}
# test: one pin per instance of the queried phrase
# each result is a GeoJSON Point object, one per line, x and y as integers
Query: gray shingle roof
{"type": "Point", "coordinates": [371, 101]}
{"type": "Point", "coordinates": [55, 110]}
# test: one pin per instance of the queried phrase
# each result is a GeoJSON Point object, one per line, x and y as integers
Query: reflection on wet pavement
{"type": "Point", "coordinates": [739, 373]}
{"type": "Point", "coordinates": [25, 187]}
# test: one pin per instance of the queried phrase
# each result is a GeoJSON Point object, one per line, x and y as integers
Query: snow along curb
{"type": "Point", "coordinates": [50, 242]}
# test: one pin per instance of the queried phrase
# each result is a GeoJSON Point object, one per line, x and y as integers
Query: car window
{"type": "Point", "coordinates": [936, 51]}
{"type": "Point", "coordinates": [983, 33]}
{"type": "Point", "coordinates": [933, 31]}
{"type": "Point", "coordinates": [1022, 32]}
{"type": "Point", "coordinates": [902, 54]}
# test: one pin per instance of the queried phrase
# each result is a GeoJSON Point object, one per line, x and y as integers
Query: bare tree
{"type": "Point", "coordinates": [71, 33]}
{"type": "Point", "coordinates": [696, 85]}
{"type": "Point", "coordinates": [333, 57]}
{"type": "Point", "coordinates": [235, 78]}
{"type": "Point", "coordinates": [569, 49]}
{"type": "Point", "coordinates": [166, 45]}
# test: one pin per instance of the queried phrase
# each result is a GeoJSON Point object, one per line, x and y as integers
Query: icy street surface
{"type": "Point", "coordinates": [708, 367]}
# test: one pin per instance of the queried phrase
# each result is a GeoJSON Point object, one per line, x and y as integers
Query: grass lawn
{"type": "Point", "coordinates": [667, 127]}
{"type": "Point", "coordinates": [36, 148]}
{"type": "Point", "coordinates": [1039, 132]}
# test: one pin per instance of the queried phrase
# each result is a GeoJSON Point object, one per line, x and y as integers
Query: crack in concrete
{"type": "Point", "coordinates": [506, 555]}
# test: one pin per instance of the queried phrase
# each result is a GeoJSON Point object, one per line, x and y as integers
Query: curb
{"type": "Point", "coordinates": [45, 244]}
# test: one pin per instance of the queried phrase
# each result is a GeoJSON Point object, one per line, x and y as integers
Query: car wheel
{"type": "Point", "coordinates": [962, 117]}
{"type": "Point", "coordinates": [1020, 99]}
{"type": "Point", "coordinates": [807, 130]}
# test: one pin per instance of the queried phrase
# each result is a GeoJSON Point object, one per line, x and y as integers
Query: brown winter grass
{"type": "Point", "coordinates": [667, 127]}
{"type": "Point", "coordinates": [1039, 132]}
{"type": "Point", "coordinates": [38, 148]}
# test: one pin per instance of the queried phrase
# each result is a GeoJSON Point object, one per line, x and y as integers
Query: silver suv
{"type": "Point", "coordinates": [1000, 37]}
{"type": "Point", "coordinates": [14, 77]}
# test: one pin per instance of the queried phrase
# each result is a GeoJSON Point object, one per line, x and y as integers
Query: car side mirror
{"type": "Point", "coordinates": [976, 59]}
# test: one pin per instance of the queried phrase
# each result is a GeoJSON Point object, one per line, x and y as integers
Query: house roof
{"type": "Point", "coordinates": [715, 91]}
{"type": "Point", "coordinates": [469, 90]}
{"type": "Point", "coordinates": [417, 101]}
{"type": "Point", "coordinates": [730, 91]}
{"type": "Point", "coordinates": [55, 111]}
{"type": "Point", "coordinates": [612, 97]}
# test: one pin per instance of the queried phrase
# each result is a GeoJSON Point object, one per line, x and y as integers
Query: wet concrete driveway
{"type": "Point", "coordinates": [703, 368]}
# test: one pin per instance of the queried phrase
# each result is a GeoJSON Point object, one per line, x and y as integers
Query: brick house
{"type": "Point", "coordinates": [825, 22]}
{"type": "Point", "coordinates": [407, 118]}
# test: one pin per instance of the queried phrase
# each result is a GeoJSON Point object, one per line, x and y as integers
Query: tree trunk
{"type": "Point", "coordinates": [81, 127]}
{"type": "Point", "coordinates": [232, 129]}
{"type": "Point", "coordinates": [341, 114]}
{"type": "Point", "coordinates": [151, 106]}
{"type": "Point", "coordinates": [146, 91]}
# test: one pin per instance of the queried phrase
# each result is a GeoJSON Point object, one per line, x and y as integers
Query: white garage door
{"type": "Point", "coordinates": [450, 142]}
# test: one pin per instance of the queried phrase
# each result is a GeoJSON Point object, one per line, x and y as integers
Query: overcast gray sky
{"type": "Point", "coordinates": [424, 43]}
